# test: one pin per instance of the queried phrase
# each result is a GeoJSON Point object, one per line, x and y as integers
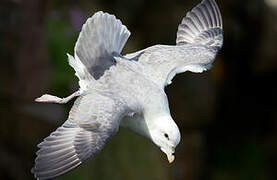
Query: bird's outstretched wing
{"type": "Point", "coordinates": [101, 37]}
{"type": "Point", "coordinates": [199, 37]}
{"type": "Point", "coordinates": [92, 121]}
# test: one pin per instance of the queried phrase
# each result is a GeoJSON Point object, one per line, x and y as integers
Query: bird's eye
{"type": "Point", "coordinates": [166, 135]}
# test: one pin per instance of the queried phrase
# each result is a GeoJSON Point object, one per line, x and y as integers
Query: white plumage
{"type": "Point", "coordinates": [125, 90]}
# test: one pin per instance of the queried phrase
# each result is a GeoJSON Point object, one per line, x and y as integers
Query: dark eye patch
{"type": "Point", "coordinates": [166, 135]}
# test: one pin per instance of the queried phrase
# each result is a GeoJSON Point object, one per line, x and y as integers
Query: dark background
{"type": "Point", "coordinates": [227, 116]}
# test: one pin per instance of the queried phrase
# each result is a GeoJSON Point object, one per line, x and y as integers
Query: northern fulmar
{"type": "Point", "coordinates": [125, 90]}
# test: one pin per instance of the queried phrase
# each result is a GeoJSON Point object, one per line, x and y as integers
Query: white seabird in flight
{"type": "Point", "coordinates": [125, 90]}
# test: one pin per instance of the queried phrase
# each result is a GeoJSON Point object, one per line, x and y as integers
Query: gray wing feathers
{"type": "Point", "coordinates": [84, 134]}
{"type": "Point", "coordinates": [101, 36]}
{"type": "Point", "coordinates": [57, 153]}
{"type": "Point", "coordinates": [202, 25]}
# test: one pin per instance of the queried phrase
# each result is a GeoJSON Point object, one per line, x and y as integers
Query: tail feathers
{"type": "Point", "coordinates": [101, 37]}
{"type": "Point", "coordinates": [81, 72]}
{"type": "Point", "coordinates": [202, 25]}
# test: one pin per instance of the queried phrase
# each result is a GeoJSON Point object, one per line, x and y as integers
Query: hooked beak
{"type": "Point", "coordinates": [169, 154]}
{"type": "Point", "coordinates": [170, 158]}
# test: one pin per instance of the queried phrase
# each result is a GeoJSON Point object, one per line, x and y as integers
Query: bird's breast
{"type": "Point", "coordinates": [136, 123]}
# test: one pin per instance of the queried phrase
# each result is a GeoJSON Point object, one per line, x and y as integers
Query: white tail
{"type": "Point", "coordinates": [101, 37]}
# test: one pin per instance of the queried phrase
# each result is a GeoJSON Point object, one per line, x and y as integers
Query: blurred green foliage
{"type": "Point", "coordinates": [61, 39]}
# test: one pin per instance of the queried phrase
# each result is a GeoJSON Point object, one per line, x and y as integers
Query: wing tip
{"type": "Point", "coordinates": [203, 18]}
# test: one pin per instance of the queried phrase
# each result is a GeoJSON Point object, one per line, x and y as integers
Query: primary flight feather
{"type": "Point", "coordinates": [125, 90]}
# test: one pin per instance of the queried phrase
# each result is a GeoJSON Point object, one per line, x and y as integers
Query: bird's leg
{"type": "Point", "coordinates": [47, 98]}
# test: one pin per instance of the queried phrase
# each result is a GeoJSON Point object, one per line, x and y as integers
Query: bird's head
{"type": "Point", "coordinates": [165, 134]}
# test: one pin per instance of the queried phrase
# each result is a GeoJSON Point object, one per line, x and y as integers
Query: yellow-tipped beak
{"type": "Point", "coordinates": [170, 158]}
{"type": "Point", "coordinates": [169, 154]}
